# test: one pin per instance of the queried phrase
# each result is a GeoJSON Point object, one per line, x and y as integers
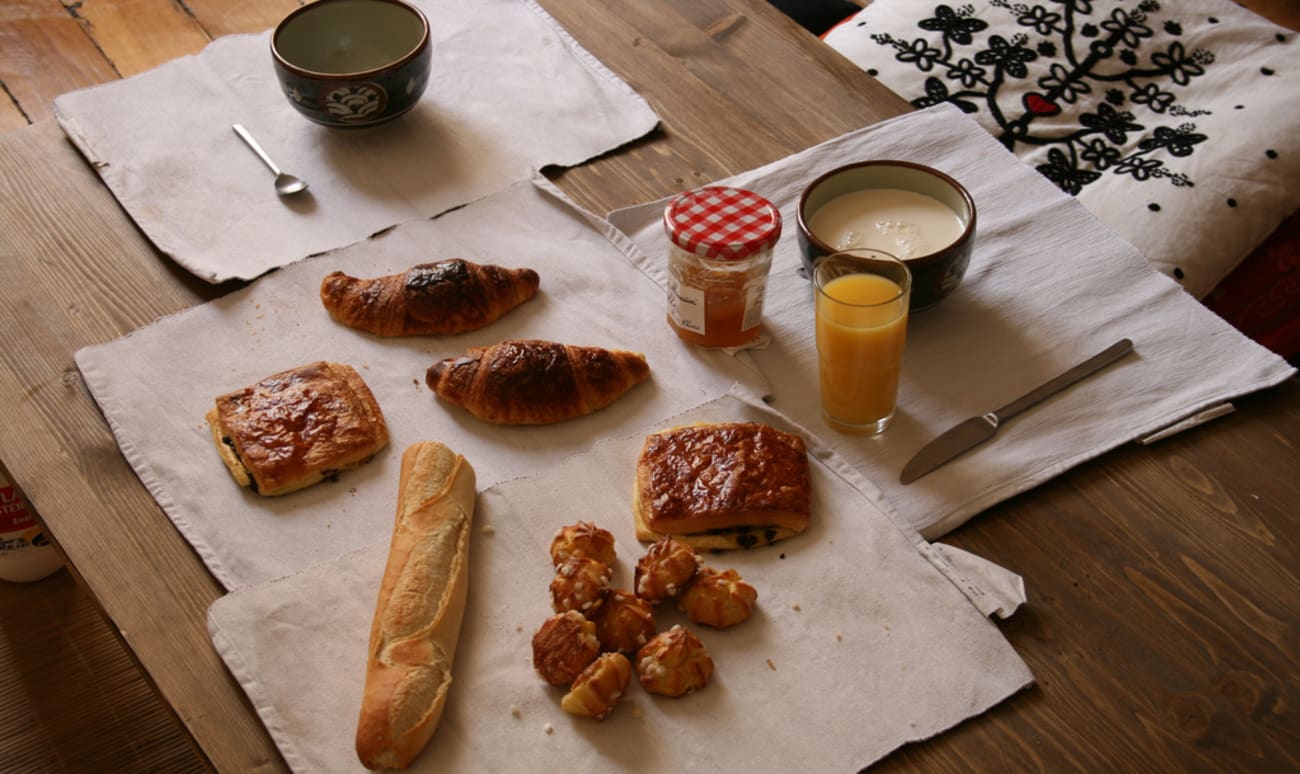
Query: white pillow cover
{"type": "Point", "coordinates": [1176, 123]}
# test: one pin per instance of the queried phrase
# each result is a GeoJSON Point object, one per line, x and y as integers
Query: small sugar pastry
{"type": "Point", "coordinates": [583, 539]}
{"type": "Point", "coordinates": [718, 599]}
{"type": "Point", "coordinates": [580, 584]}
{"type": "Point", "coordinates": [625, 622]}
{"type": "Point", "coordinates": [665, 569]}
{"type": "Point", "coordinates": [563, 646]}
{"type": "Point", "coordinates": [595, 692]}
{"type": "Point", "coordinates": [675, 662]}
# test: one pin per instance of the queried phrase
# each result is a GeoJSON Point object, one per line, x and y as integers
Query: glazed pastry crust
{"type": "Point", "coordinates": [625, 622]}
{"type": "Point", "coordinates": [298, 427]}
{"type": "Point", "coordinates": [674, 663]}
{"type": "Point", "coordinates": [718, 598]}
{"type": "Point", "coordinates": [580, 584]}
{"type": "Point", "coordinates": [583, 539]}
{"type": "Point", "coordinates": [722, 485]}
{"type": "Point", "coordinates": [597, 690]}
{"type": "Point", "coordinates": [563, 646]}
{"type": "Point", "coordinates": [535, 382]}
{"type": "Point", "coordinates": [443, 297]}
{"type": "Point", "coordinates": [664, 570]}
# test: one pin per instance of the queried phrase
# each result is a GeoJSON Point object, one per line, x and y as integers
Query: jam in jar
{"type": "Point", "coordinates": [720, 243]}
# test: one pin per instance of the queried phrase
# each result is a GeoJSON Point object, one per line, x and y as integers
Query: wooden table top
{"type": "Point", "coordinates": [1162, 580]}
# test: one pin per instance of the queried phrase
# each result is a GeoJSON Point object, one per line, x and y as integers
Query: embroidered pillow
{"type": "Point", "coordinates": [1175, 123]}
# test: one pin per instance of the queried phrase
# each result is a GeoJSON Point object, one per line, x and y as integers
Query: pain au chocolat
{"type": "Point", "coordinates": [722, 485]}
{"type": "Point", "coordinates": [297, 427]}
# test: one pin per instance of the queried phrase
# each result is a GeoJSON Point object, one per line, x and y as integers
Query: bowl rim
{"type": "Point", "coordinates": [357, 75]}
{"type": "Point", "coordinates": [956, 244]}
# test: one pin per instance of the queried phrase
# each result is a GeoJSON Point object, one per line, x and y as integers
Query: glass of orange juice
{"type": "Point", "coordinates": [862, 298]}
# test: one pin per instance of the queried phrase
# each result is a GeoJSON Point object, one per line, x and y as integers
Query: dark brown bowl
{"type": "Point", "coordinates": [353, 63]}
{"type": "Point", "coordinates": [935, 273]}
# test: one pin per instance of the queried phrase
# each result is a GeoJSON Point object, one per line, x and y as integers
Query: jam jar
{"type": "Point", "coordinates": [720, 243]}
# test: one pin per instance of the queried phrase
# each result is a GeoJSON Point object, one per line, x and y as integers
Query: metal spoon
{"type": "Point", "coordinates": [285, 184]}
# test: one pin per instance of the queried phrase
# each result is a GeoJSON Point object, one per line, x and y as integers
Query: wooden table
{"type": "Point", "coordinates": [1164, 601]}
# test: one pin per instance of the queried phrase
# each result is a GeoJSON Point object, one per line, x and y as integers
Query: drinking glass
{"type": "Point", "coordinates": [861, 310]}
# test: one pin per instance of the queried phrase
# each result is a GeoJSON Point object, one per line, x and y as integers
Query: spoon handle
{"type": "Point", "coordinates": [261, 154]}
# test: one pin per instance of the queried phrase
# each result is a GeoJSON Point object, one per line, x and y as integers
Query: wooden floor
{"type": "Point", "coordinates": [71, 697]}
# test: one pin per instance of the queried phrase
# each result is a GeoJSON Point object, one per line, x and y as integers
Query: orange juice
{"type": "Point", "coordinates": [861, 329]}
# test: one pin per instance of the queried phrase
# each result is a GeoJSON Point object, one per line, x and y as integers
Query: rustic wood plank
{"type": "Point", "coordinates": [229, 17]}
{"type": "Point", "coordinates": [44, 52]}
{"type": "Point", "coordinates": [133, 47]}
{"type": "Point", "coordinates": [712, 63]}
{"type": "Point", "coordinates": [71, 698]}
{"type": "Point", "coordinates": [11, 116]}
{"type": "Point", "coordinates": [60, 236]}
{"type": "Point", "coordinates": [1168, 626]}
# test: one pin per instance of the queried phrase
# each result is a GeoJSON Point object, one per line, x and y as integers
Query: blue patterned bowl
{"type": "Point", "coordinates": [352, 63]}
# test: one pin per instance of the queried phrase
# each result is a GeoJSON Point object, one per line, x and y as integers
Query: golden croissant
{"type": "Point", "coordinates": [445, 297]}
{"type": "Point", "coordinates": [535, 382]}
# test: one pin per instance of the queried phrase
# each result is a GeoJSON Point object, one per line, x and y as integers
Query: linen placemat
{"type": "Point", "coordinates": [155, 385]}
{"type": "Point", "coordinates": [510, 92]}
{"type": "Point", "coordinates": [858, 644]}
{"type": "Point", "coordinates": [1048, 286]}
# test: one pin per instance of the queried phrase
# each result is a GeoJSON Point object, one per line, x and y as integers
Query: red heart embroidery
{"type": "Point", "coordinates": [1040, 105]}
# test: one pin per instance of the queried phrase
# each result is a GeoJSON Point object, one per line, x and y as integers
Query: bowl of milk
{"type": "Point", "coordinates": [914, 212]}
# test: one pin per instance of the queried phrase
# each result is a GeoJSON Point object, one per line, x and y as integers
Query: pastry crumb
{"type": "Point", "coordinates": [770, 665]}
{"type": "Point", "coordinates": [549, 729]}
{"type": "Point", "coordinates": [488, 529]}
{"type": "Point", "coordinates": [795, 607]}
{"type": "Point", "coordinates": [839, 637]}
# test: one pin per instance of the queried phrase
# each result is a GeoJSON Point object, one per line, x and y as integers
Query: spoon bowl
{"type": "Point", "coordinates": [285, 183]}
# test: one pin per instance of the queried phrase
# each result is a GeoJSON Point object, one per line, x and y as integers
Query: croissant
{"type": "Point", "coordinates": [445, 297]}
{"type": "Point", "coordinates": [535, 382]}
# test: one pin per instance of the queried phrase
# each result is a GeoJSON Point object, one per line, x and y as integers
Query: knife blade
{"type": "Point", "coordinates": [972, 432]}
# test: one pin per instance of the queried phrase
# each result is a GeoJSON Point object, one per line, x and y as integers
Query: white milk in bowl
{"type": "Point", "coordinates": [904, 223]}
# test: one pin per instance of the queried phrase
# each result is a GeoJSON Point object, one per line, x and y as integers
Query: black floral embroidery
{"type": "Point", "coordinates": [1105, 65]}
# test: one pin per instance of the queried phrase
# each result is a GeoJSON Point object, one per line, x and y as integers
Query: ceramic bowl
{"type": "Point", "coordinates": [352, 63]}
{"type": "Point", "coordinates": [912, 211]}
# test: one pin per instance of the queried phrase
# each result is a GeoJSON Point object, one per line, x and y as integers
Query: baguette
{"type": "Point", "coordinates": [420, 608]}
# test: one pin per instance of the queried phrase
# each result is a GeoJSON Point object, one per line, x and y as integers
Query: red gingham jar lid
{"type": "Point", "coordinates": [725, 224]}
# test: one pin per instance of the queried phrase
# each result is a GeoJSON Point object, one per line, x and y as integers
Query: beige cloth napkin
{"type": "Point", "coordinates": [1049, 285]}
{"type": "Point", "coordinates": [858, 645]}
{"type": "Point", "coordinates": [155, 385]}
{"type": "Point", "coordinates": [510, 92]}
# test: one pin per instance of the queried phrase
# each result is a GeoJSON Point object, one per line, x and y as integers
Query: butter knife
{"type": "Point", "coordinates": [976, 430]}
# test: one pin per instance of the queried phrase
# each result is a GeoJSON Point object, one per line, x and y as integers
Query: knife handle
{"type": "Point", "coordinates": [1086, 368]}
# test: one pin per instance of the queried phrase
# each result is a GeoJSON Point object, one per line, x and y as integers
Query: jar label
{"type": "Point", "coordinates": [14, 515]}
{"type": "Point", "coordinates": [686, 306]}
